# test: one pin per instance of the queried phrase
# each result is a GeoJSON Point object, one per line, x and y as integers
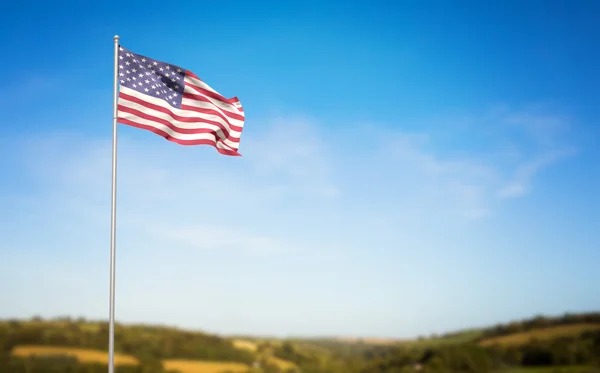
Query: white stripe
{"type": "Point", "coordinates": [171, 132]}
{"type": "Point", "coordinates": [177, 135]}
{"type": "Point", "coordinates": [179, 112]}
{"type": "Point", "coordinates": [225, 107]}
{"type": "Point", "coordinates": [185, 101]}
{"type": "Point", "coordinates": [199, 83]}
{"type": "Point", "coordinates": [208, 105]}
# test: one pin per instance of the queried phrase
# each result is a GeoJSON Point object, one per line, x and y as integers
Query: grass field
{"type": "Point", "coordinates": [245, 345]}
{"type": "Point", "coordinates": [281, 364]}
{"type": "Point", "coordinates": [253, 347]}
{"type": "Point", "coordinates": [371, 341]}
{"type": "Point", "coordinates": [83, 355]}
{"type": "Point", "coordinates": [464, 337]}
{"type": "Point", "coordinates": [195, 366]}
{"type": "Point", "coordinates": [540, 334]}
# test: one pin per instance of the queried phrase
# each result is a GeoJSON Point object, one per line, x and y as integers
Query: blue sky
{"type": "Point", "coordinates": [408, 167]}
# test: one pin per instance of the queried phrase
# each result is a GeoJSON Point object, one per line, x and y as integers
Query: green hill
{"type": "Point", "coordinates": [570, 343]}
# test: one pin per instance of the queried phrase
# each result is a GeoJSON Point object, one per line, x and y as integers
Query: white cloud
{"type": "Point", "coordinates": [521, 182]}
{"type": "Point", "coordinates": [304, 198]}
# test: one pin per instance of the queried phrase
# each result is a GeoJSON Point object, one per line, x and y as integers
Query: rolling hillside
{"type": "Point", "coordinates": [80, 346]}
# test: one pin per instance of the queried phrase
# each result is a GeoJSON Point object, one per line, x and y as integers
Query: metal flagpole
{"type": "Point", "coordinates": [113, 217]}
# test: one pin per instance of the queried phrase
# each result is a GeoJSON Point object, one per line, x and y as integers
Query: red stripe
{"type": "Point", "coordinates": [212, 94]}
{"type": "Point", "coordinates": [211, 111]}
{"type": "Point", "coordinates": [188, 131]}
{"type": "Point", "coordinates": [176, 117]}
{"type": "Point", "coordinates": [192, 96]}
{"type": "Point", "coordinates": [178, 141]}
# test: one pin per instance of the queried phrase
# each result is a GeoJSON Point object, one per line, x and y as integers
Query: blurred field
{"type": "Point", "coordinates": [83, 355]}
{"type": "Point", "coordinates": [245, 345]}
{"type": "Point", "coordinates": [558, 331]}
{"type": "Point", "coordinates": [458, 338]}
{"type": "Point", "coordinates": [196, 366]}
{"type": "Point", "coordinates": [281, 364]}
{"type": "Point", "coordinates": [568, 369]}
{"type": "Point", "coordinates": [371, 341]}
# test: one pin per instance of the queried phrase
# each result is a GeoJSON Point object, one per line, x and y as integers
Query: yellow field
{"type": "Point", "coordinates": [244, 345]}
{"type": "Point", "coordinates": [372, 341]}
{"type": "Point", "coordinates": [540, 334]}
{"type": "Point", "coordinates": [281, 364]}
{"type": "Point", "coordinates": [196, 366]}
{"type": "Point", "coordinates": [84, 355]}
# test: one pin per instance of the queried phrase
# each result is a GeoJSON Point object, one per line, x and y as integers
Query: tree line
{"type": "Point", "coordinates": [150, 344]}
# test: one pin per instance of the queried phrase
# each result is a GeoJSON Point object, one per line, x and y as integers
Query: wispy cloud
{"type": "Point", "coordinates": [301, 200]}
{"type": "Point", "coordinates": [521, 182]}
{"type": "Point", "coordinates": [545, 129]}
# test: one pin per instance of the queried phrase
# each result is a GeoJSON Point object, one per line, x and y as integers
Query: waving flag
{"type": "Point", "coordinates": [176, 104]}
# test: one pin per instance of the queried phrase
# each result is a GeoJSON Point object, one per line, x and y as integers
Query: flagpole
{"type": "Point", "coordinates": [113, 217]}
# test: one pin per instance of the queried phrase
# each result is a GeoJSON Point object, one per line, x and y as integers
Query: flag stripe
{"type": "Point", "coordinates": [170, 124]}
{"type": "Point", "coordinates": [202, 87]}
{"type": "Point", "coordinates": [192, 92]}
{"type": "Point", "coordinates": [199, 141]}
{"type": "Point", "coordinates": [180, 138]}
{"type": "Point", "coordinates": [168, 112]}
{"type": "Point", "coordinates": [197, 100]}
{"type": "Point", "coordinates": [152, 112]}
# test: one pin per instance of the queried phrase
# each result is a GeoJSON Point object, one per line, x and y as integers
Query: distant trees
{"type": "Point", "coordinates": [540, 322]}
{"type": "Point", "coordinates": [150, 345]}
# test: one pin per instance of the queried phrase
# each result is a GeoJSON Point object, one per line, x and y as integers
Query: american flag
{"type": "Point", "coordinates": [174, 103]}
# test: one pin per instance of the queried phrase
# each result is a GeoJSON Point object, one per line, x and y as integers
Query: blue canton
{"type": "Point", "coordinates": [151, 77]}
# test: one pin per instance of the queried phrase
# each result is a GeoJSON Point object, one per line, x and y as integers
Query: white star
{"type": "Point", "coordinates": [167, 74]}
{"type": "Point", "coordinates": [158, 93]}
{"type": "Point", "coordinates": [149, 65]}
{"type": "Point", "coordinates": [120, 66]}
{"type": "Point", "coordinates": [175, 94]}
{"type": "Point", "coordinates": [127, 71]}
{"type": "Point", "coordinates": [155, 63]}
{"type": "Point", "coordinates": [168, 67]}
{"type": "Point", "coordinates": [179, 70]}
{"type": "Point", "coordinates": [146, 89]}
{"type": "Point", "coordinates": [134, 60]}
{"type": "Point", "coordinates": [121, 57]}
{"type": "Point", "coordinates": [134, 70]}
{"type": "Point", "coordinates": [143, 60]}
{"type": "Point", "coordinates": [141, 66]}
{"type": "Point", "coordinates": [128, 54]}
{"type": "Point", "coordinates": [127, 63]}
{"type": "Point", "coordinates": [173, 80]}
{"type": "Point", "coordinates": [161, 69]}
{"type": "Point", "coordinates": [174, 103]}
{"type": "Point", "coordinates": [121, 49]}
{"type": "Point", "coordinates": [128, 79]}
{"type": "Point", "coordinates": [141, 75]}
{"type": "Point", "coordinates": [147, 73]}
{"type": "Point", "coordinates": [134, 86]}
{"type": "Point", "coordinates": [122, 81]}
{"type": "Point", "coordinates": [134, 78]}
